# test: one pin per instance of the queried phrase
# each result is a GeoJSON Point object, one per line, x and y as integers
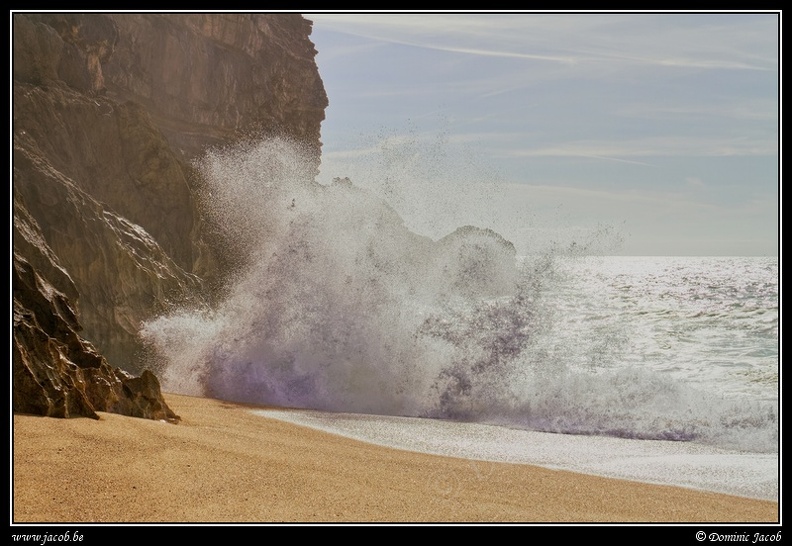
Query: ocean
{"type": "Point", "coordinates": [661, 369]}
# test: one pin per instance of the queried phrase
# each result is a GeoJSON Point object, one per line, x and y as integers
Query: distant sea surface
{"type": "Point", "coordinates": [708, 322]}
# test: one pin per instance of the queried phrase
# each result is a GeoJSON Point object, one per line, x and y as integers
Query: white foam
{"type": "Point", "coordinates": [685, 464]}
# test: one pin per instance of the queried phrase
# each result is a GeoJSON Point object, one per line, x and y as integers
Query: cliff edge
{"type": "Point", "coordinates": [109, 111]}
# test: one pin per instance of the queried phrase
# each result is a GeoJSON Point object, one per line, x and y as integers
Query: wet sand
{"type": "Point", "coordinates": [222, 463]}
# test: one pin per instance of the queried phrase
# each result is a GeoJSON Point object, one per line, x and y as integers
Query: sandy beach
{"type": "Point", "coordinates": [222, 463]}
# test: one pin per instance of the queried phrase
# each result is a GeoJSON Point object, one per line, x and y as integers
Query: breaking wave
{"type": "Point", "coordinates": [336, 305]}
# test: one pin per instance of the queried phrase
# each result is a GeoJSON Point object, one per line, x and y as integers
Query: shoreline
{"type": "Point", "coordinates": [663, 462]}
{"type": "Point", "coordinates": [223, 464]}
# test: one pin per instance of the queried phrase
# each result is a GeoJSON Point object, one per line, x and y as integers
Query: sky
{"type": "Point", "coordinates": [621, 133]}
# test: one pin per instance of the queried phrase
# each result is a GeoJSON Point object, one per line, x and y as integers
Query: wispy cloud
{"type": "Point", "coordinates": [737, 108]}
{"type": "Point", "coordinates": [668, 200]}
{"type": "Point", "coordinates": [632, 151]}
{"type": "Point", "coordinates": [577, 39]}
{"type": "Point", "coordinates": [678, 146]}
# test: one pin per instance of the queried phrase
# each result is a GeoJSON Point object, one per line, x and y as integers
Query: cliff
{"type": "Point", "coordinates": [109, 110]}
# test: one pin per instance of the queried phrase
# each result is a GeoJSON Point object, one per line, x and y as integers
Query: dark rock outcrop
{"type": "Point", "coordinates": [58, 373]}
{"type": "Point", "coordinates": [109, 110]}
{"type": "Point", "coordinates": [477, 263]}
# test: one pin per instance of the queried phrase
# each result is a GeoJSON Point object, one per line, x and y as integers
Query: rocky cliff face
{"type": "Point", "coordinates": [109, 110]}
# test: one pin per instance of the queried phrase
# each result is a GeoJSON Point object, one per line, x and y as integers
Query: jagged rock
{"type": "Point", "coordinates": [56, 372]}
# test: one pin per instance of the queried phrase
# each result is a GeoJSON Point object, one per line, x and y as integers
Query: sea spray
{"type": "Point", "coordinates": [327, 311]}
{"type": "Point", "coordinates": [336, 305]}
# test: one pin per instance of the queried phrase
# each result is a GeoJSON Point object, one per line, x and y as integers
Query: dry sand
{"type": "Point", "coordinates": [224, 464]}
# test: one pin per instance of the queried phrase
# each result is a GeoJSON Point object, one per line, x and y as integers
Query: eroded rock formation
{"type": "Point", "coordinates": [109, 110]}
{"type": "Point", "coordinates": [58, 373]}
